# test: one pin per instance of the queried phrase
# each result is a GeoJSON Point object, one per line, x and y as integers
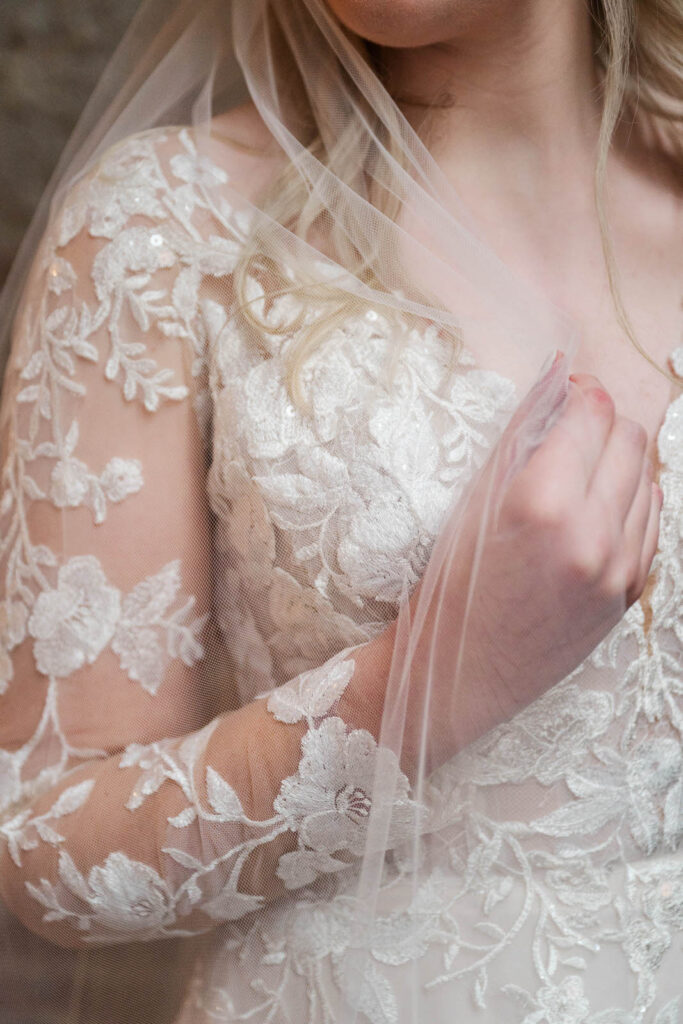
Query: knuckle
{"type": "Point", "coordinates": [589, 556]}
{"type": "Point", "coordinates": [538, 506]}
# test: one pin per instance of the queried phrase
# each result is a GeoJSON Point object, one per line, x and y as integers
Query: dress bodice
{"type": "Point", "coordinates": [557, 892]}
{"type": "Point", "coordinates": [324, 519]}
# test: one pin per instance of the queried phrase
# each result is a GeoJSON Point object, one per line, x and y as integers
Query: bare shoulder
{"type": "Point", "coordinates": [244, 128]}
{"type": "Point", "coordinates": [243, 145]}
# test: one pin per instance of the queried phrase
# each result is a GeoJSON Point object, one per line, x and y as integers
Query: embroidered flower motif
{"type": "Point", "coordinates": [659, 888]}
{"type": "Point", "coordinates": [477, 397]}
{"type": "Point", "coordinates": [561, 1004]}
{"type": "Point", "coordinates": [645, 944]}
{"type": "Point", "coordinates": [149, 632]}
{"type": "Point", "coordinates": [69, 483]}
{"type": "Point", "coordinates": [303, 867]}
{"type": "Point", "coordinates": [409, 450]}
{"type": "Point", "coordinates": [138, 249]}
{"type": "Point", "coordinates": [197, 170]}
{"type": "Point", "coordinates": [333, 384]}
{"type": "Point", "coordinates": [297, 501]}
{"type": "Point", "coordinates": [126, 897]}
{"type": "Point", "coordinates": [329, 799]}
{"type": "Point", "coordinates": [128, 185]}
{"type": "Point", "coordinates": [579, 885]}
{"type": "Point", "coordinates": [121, 477]}
{"type": "Point", "coordinates": [274, 423]}
{"type": "Point", "coordinates": [620, 787]}
{"type": "Point", "coordinates": [72, 483]}
{"type": "Point", "coordinates": [61, 276]}
{"type": "Point", "coordinates": [378, 555]}
{"type": "Point", "coordinates": [73, 623]}
{"type": "Point", "coordinates": [544, 741]}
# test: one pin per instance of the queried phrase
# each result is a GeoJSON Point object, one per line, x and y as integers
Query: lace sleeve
{"type": "Point", "coordinates": [128, 811]}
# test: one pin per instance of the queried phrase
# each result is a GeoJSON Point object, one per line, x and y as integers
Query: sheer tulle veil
{"type": "Point", "coordinates": [354, 219]}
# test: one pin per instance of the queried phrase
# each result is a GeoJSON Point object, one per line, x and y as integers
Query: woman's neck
{"type": "Point", "coordinates": [516, 97]}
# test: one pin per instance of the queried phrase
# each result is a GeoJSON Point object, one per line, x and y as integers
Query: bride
{"type": "Point", "coordinates": [340, 524]}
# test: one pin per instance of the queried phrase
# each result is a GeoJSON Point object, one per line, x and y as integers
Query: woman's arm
{"type": "Point", "coordinates": [177, 836]}
{"type": "Point", "coordinates": [134, 801]}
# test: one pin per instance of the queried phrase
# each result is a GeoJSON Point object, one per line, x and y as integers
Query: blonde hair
{"type": "Point", "coordinates": [638, 46]}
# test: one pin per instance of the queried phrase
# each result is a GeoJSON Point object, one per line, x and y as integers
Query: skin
{"type": "Point", "coordinates": [519, 140]}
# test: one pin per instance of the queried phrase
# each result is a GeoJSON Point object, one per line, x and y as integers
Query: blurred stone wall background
{"type": "Point", "coordinates": [51, 55]}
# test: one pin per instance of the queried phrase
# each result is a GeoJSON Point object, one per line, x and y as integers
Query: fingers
{"type": "Point", "coordinates": [647, 539]}
{"type": "Point", "coordinates": [566, 460]}
{"type": "Point", "coordinates": [591, 468]}
{"type": "Point", "coordinates": [635, 523]}
{"type": "Point", "coordinates": [620, 469]}
{"type": "Point", "coordinates": [589, 417]}
{"type": "Point", "coordinates": [637, 543]}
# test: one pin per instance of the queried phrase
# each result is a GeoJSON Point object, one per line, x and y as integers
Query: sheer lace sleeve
{"type": "Point", "coordinates": [130, 807]}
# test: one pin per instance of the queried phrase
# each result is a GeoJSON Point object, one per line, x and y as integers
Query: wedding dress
{"type": "Point", "coordinates": [558, 899]}
{"type": "Point", "coordinates": [535, 877]}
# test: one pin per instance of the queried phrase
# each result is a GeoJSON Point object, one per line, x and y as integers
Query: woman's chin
{"type": "Point", "coordinates": [410, 23]}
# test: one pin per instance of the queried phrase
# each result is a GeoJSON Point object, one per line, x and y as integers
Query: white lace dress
{"type": "Point", "coordinates": [558, 894]}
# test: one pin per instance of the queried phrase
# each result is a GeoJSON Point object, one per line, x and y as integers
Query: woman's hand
{"type": "Point", "coordinates": [553, 570]}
